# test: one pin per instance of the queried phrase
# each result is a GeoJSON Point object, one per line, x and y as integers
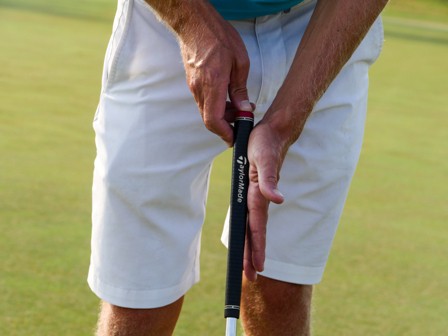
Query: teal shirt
{"type": "Point", "coordinates": [245, 9]}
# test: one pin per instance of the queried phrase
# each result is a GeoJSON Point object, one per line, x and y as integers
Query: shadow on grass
{"type": "Point", "coordinates": [416, 37]}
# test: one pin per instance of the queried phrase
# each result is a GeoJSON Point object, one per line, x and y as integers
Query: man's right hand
{"type": "Point", "coordinates": [215, 60]}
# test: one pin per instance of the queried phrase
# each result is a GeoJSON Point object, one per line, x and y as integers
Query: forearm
{"type": "Point", "coordinates": [335, 30]}
{"type": "Point", "coordinates": [187, 17]}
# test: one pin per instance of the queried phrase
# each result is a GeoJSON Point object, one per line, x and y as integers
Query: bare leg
{"type": "Point", "coordinates": [118, 321]}
{"type": "Point", "coordinates": [272, 307]}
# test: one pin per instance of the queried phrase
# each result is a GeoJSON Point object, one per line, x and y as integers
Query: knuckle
{"type": "Point", "coordinates": [242, 59]}
{"type": "Point", "coordinates": [238, 91]}
{"type": "Point", "coordinates": [213, 78]}
{"type": "Point", "coordinates": [193, 83]}
{"type": "Point", "coordinates": [209, 121]}
{"type": "Point", "coordinates": [271, 178]}
{"type": "Point", "coordinates": [206, 77]}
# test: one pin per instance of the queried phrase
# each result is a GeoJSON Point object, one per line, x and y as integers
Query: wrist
{"type": "Point", "coordinates": [287, 118]}
{"type": "Point", "coordinates": [186, 17]}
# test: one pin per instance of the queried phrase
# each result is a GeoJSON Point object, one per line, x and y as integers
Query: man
{"type": "Point", "coordinates": [302, 67]}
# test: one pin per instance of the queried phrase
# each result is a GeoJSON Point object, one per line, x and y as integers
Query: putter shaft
{"type": "Point", "coordinates": [231, 326]}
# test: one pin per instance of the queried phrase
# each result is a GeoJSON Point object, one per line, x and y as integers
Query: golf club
{"type": "Point", "coordinates": [238, 219]}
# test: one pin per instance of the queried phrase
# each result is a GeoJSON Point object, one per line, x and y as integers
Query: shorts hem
{"type": "Point", "coordinates": [302, 275]}
{"type": "Point", "coordinates": [140, 298]}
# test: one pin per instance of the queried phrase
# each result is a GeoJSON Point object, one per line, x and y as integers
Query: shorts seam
{"type": "Point", "coordinates": [380, 36]}
{"type": "Point", "coordinates": [146, 5]}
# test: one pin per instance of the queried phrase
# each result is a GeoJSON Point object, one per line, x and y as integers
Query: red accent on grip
{"type": "Point", "coordinates": [244, 114]}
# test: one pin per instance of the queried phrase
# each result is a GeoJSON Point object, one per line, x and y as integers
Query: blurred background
{"type": "Point", "coordinates": [388, 272]}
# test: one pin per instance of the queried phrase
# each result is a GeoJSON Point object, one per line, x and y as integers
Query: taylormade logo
{"type": "Point", "coordinates": [242, 161]}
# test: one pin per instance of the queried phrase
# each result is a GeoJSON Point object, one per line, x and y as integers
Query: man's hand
{"type": "Point", "coordinates": [266, 153]}
{"type": "Point", "coordinates": [215, 60]}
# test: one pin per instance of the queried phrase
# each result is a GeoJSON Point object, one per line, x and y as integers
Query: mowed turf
{"type": "Point", "coordinates": [49, 83]}
{"type": "Point", "coordinates": [388, 269]}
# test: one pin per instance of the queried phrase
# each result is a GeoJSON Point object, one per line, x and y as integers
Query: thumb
{"type": "Point", "coordinates": [238, 94]}
{"type": "Point", "coordinates": [271, 192]}
{"type": "Point", "coordinates": [268, 183]}
{"type": "Point", "coordinates": [240, 100]}
{"type": "Point", "coordinates": [243, 104]}
{"type": "Point", "coordinates": [238, 84]}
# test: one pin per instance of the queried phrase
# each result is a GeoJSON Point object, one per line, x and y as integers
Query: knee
{"type": "Point", "coordinates": [115, 320]}
{"type": "Point", "coordinates": [272, 307]}
{"type": "Point", "coordinates": [272, 292]}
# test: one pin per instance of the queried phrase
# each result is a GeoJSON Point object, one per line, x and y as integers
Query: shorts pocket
{"type": "Point", "coordinates": [116, 42]}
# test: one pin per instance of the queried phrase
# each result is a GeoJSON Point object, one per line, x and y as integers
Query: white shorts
{"type": "Point", "coordinates": [154, 157]}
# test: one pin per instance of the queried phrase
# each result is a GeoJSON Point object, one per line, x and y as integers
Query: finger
{"type": "Point", "coordinates": [269, 188]}
{"type": "Point", "coordinates": [265, 171]}
{"type": "Point", "coordinates": [242, 103]}
{"type": "Point", "coordinates": [238, 83]}
{"type": "Point", "coordinates": [258, 216]}
{"type": "Point", "coordinates": [249, 270]}
{"type": "Point", "coordinates": [230, 113]}
{"type": "Point", "coordinates": [214, 115]}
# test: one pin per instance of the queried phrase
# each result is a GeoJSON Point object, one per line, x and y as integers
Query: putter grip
{"type": "Point", "coordinates": [238, 214]}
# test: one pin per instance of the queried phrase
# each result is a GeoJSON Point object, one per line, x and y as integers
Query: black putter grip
{"type": "Point", "coordinates": [238, 214]}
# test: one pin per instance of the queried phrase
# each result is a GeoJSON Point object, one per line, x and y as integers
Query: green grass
{"type": "Point", "coordinates": [49, 85]}
{"type": "Point", "coordinates": [429, 10]}
{"type": "Point", "coordinates": [82, 9]}
{"type": "Point", "coordinates": [388, 268]}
